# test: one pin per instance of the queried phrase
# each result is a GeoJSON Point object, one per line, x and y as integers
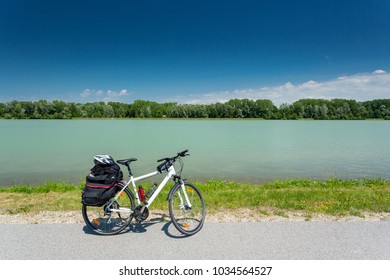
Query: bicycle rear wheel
{"type": "Point", "coordinates": [187, 218]}
{"type": "Point", "coordinates": [112, 220]}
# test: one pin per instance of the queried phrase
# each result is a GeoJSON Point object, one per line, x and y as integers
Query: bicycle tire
{"type": "Point", "coordinates": [187, 221]}
{"type": "Point", "coordinates": [105, 222]}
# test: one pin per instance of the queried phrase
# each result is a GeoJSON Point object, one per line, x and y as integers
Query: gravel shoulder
{"type": "Point", "coordinates": [240, 215]}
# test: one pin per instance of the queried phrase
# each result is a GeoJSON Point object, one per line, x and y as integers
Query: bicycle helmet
{"type": "Point", "coordinates": [103, 160]}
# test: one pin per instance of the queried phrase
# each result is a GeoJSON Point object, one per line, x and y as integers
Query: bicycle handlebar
{"type": "Point", "coordinates": [181, 154]}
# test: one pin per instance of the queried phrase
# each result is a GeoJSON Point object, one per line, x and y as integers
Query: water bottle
{"type": "Point", "coordinates": [141, 193]}
{"type": "Point", "coordinates": [151, 191]}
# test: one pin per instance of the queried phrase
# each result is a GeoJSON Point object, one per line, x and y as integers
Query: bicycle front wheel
{"type": "Point", "coordinates": [187, 209]}
{"type": "Point", "coordinates": [108, 220]}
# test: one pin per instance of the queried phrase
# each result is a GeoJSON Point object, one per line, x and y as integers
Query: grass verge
{"type": "Point", "coordinates": [332, 197]}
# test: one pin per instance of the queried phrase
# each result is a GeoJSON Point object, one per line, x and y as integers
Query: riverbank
{"type": "Point", "coordinates": [293, 200]}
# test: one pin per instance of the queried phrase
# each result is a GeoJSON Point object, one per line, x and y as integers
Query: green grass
{"type": "Point", "coordinates": [46, 188]}
{"type": "Point", "coordinates": [52, 196]}
{"type": "Point", "coordinates": [332, 197]}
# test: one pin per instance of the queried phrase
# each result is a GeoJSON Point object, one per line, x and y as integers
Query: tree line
{"type": "Point", "coordinates": [319, 109]}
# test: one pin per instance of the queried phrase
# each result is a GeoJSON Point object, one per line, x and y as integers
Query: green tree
{"type": "Point", "coordinates": [2, 109]}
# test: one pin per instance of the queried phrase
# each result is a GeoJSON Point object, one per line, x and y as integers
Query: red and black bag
{"type": "Point", "coordinates": [101, 184]}
{"type": "Point", "coordinates": [97, 195]}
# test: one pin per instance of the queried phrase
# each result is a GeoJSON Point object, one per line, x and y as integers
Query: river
{"type": "Point", "coordinates": [36, 151]}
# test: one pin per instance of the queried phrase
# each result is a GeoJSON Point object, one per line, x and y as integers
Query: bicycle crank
{"type": "Point", "coordinates": [141, 213]}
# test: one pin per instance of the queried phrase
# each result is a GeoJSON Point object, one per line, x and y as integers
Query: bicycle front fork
{"type": "Point", "coordinates": [187, 205]}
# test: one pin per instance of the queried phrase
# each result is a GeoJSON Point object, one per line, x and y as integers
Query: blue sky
{"type": "Point", "coordinates": [194, 51]}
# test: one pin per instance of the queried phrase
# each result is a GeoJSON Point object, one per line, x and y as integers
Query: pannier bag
{"type": "Point", "coordinates": [101, 184]}
{"type": "Point", "coordinates": [97, 195]}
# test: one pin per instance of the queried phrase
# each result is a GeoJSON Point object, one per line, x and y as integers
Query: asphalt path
{"type": "Point", "coordinates": [216, 241]}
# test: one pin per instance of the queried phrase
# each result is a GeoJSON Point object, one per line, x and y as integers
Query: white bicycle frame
{"type": "Point", "coordinates": [133, 180]}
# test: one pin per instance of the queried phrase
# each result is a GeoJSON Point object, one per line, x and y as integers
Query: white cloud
{"type": "Point", "coordinates": [87, 92]}
{"type": "Point", "coordinates": [111, 93]}
{"type": "Point", "coordinates": [287, 85]}
{"type": "Point", "coordinates": [100, 95]}
{"type": "Point", "coordinates": [310, 85]}
{"type": "Point", "coordinates": [360, 87]}
{"type": "Point", "coordinates": [123, 92]}
{"type": "Point", "coordinates": [378, 72]}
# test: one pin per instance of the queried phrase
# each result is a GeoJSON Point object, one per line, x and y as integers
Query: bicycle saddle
{"type": "Point", "coordinates": [126, 161]}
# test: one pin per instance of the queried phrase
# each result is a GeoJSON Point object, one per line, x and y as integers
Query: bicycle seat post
{"type": "Point", "coordinates": [129, 169]}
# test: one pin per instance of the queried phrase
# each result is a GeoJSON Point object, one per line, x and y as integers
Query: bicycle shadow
{"type": "Point", "coordinates": [157, 219]}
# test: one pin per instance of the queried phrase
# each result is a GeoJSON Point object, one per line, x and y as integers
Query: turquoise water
{"type": "Point", "coordinates": [35, 151]}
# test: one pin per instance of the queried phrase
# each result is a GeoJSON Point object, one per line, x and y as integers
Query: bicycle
{"type": "Point", "coordinates": [186, 204]}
